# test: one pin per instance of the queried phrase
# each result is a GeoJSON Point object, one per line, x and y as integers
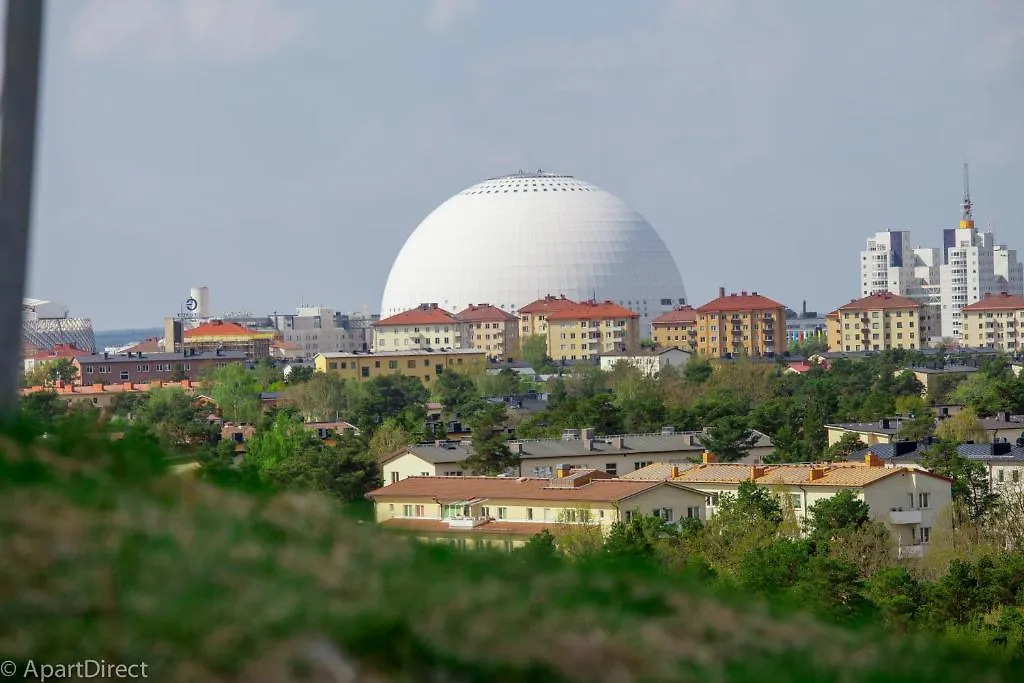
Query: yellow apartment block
{"type": "Point", "coordinates": [995, 322]}
{"type": "Point", "coordinates": [741, 325]}
{"type": "Point", "coordinates": [489, 329]}
{"type": "Point", "coordinates": [878, 322]}
{"type": "Point", "coordinates": [589, 329]}
{"type": "Point", "coordinates": [676, 329]}
{"type": "Point", "coordinates": [423, 327]}
{"type": "Point", "coordinates": [533, 317]}
{"type": "Point", "coordinates": [425, 366]}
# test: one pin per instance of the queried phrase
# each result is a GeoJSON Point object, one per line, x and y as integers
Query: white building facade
{"type": "Point", "coordinates": [316, 329]}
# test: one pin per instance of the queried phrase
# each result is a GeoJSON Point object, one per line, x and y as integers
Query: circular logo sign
{"type": "Point", "coordinates": [191, 304]}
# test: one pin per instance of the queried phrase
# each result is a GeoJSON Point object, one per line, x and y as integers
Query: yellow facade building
{"type": "Point", "coordinates": [676, 329]}
{"type": "Point", "coordinates": [489, 329]}
{"type": "Point", "coordinates": [425, 327]}
{"type": "Point", "coordinates": [741, 325]}
{"type": "Point", "coordinates": [533, 317]}
{"type": "Point", "coordinates": [879, 322]}
{"type": "Point", "coordinates": [995, 322]}
{"type": "Point", "coordinates": [425, 366]}
{"type": "Point", "coordinates": [588, 329]}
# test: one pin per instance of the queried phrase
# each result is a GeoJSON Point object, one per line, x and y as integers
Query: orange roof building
{"type": "Point", "coordinates": [676, 329]}
{"type": "Point", "coordinates": [228, 336]}
{"type": "Point", "coordinates": [425, 327]}
{"type": "Point", "coordinates": [533, 317]}
{"type": "Point", "coordinates": [582, 330]}
{"type": "Point", "coordinates": [994, 322]}
{"type": "Point", "coordinates": [744, 324]}
{"type": "Point", "coordinates": [879, 322]}
{"type": "Point", "coordinates": [489, 328]}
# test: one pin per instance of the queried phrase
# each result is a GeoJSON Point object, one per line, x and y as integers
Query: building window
{"type": "Point", "coordinates": [639, 464]}
{"type": "Point", "coordinates": [485, 512]}
{"type": "Point", "coordinates": [364, 372]}
{"type": "Point", "coordinates": [795, 500]}
{"type": "Point", "coordinates": [392, 365]}
{"type": "Point", "coordinates": [407, 510]}
{"type": "Point", "coordinates": [394, 477]}
{"type": "Point", "coordinates": [529, 514]}
{"type": "Point", "coordinates": [419, 511]}
{"type": "Point", "coordinates": [124, 375]}
{"type": "Point", "coordinates": [88, 370]}
{"type": "Point", "coordinates": [502, 513]}
{"type": "Point", "coordinates": [611, 468]}
{"type": "Point", "coordinates": [663, 513]}
{"type": "Point", "coordinates": [693, 513]}
{"type": "Point", "coordinates": [926, 534]}
{"type": "Point", "coordinates": [629, 516]}
{"type": "Point", "coordinates": [922, 500]}
{"type": "Point", "coordinates": [1000, 475]}
{"type": "Point", "coordinates": [143, 368]}
{"type": "Point", "coordinates": [1015, 475]}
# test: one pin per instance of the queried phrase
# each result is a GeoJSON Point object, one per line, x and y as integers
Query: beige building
{"type": "Point", "coordinates": [887, 430]}
{"type": "Point", "coordinates": [741, 325]}
{"type": "Point", "coordinates": [425, 366]}
{"type": "Point", "coordinates": [533, 317]}
{"type": "Point", "coordinates": [525, 505]}
{"type": "Point", "coordinates": [588, 329]}
{"type": "Point", "coordinates": [579, 449]}
{"type": "Point", "coordinates": [676, 329]}
{"type": "Point", "coordinates": [424, 327]}
{"type": "Point", "coordinates": [909, 501]}
{"type": "Point", "coordinates": [490, 329]}
{"type": "Point", "coordinates": [879, 322]}
{"type": "Point", "coordinates": [995, 322]}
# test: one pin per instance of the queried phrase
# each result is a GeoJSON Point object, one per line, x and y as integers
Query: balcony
{"type": "Point", "coordinates": [904, 516]}
{"type": "Point", "coordinates": [912, 551]}
{"type": "Point", "coordinates": [465, 522]}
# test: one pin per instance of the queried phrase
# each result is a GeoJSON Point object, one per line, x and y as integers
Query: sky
{"type": "Point", "coordinates": [281, 152]}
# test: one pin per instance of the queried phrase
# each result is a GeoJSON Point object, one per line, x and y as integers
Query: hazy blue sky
{"type": "Point", "coordinates": [282, 150]}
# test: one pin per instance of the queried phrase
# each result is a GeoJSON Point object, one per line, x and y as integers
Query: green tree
{"type": "Point", "coordinates": [898, 596]}
{"type": "Point", "coordinates": [456, 392]}
{"type": "Point", "coordinates": [178, 374]}
{"type": "Point", "coordinates": [270, 447]}
{"type": "Point", "coordinates": [48, 373]}
{"type": "Point", "coordinates": [236, 390]}
{"type": "Point", "coordinates": [346, 470]}
{"type": "Point", "coordinates": [324, 397]}
{"type": "Point", "coordinates": [973, 497]}
{"type": "Point", "coordinates": [388, 438]}
{"type": "Point", "coordinates": [848, 444]}
{"type": "Point", "coordinates": [984, 394]}
{"type": "Point", "coordinates": [297, 374]}
{"type": "Point", "coordinates": [697, 371]}
{"type": "Point", "coordinates": [835, 516]}
{"type": "Point", "coordinates": [729, 437]}
{"type": "Point", "coordinates": [491, 454]}
{"type": "Point", "coordinates": [43, 406]}
{"type": "Point", "coordinates": [541, 547]}
{"type": "Point", "coordinates": [534, 350]}
{"type": "Point", "coordinates": [639, 537]}
{"type": "Point", "coordinates": [751, 504]}
{"type": "Point", "coordinates": [962, 427]}
{"type": "Point", "coordinates": [176, 418]}
{"type": "Point", "coordinates": [387, 396]}
{"type": "Point", "coordinates": [506, 382]}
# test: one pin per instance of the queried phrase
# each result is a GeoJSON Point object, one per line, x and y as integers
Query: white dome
{"type": "Point", "coordinates": [509, 241]}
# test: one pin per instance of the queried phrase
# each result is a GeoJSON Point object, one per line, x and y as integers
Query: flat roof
{"type": "Point", "coordinates": [162, 356]}
{"type": "Point", "coordinates": [410, 352]}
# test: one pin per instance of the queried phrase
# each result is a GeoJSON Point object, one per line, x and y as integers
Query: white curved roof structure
{"type": "Point", "coordinates": [511, 240]}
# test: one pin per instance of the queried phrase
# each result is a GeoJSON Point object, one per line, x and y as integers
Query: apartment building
{"type": "Point", "coordinates": [744, 324]}
{"type": "Point", "coordinates": [425, 327]}
{"type": "Point", "coordinates": [525, 506]}
{"type": "Point", "coordinates": [676, 329]}
{"type": "Point", "coordinates": [316, 329]}
{"type": "Point", "coordinates": [995, 322]}
{"type": "Point", "coordinates": [590, 328]}
{"type": "Point", "coordinates": [489, 329]}
{"type": "Point", "coordinates": [422, 364]}
{"type": "Point", "coordinates": [533, 317]}
{"type": "Point", "coordinates": [648, 362]}
{"type": "Point", "coordinates": [137, 368]}
{"type": "Point", "coordinates": [577, 449]}
{"type": "Point", "coordinates": [879, 322]}
{"type": "Point", "coordinates": [908, 500]}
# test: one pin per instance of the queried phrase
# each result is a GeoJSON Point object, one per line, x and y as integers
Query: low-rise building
{"type": "Point", "coordinates": [887, 430]}
{"type": "Point", "coordinates": [676, 329]}
{"type": "Point", "coordinates": [649, 363]}
{"type": "Point", "coordinates": [228, 337]}
{"type": "Point", "coordinates": [425, 366]}
{"type": "Point", "coordinates": [422, 328]}
{"type": "Point", "coordinates": [108, 368]}
{"type": "Point", "coordinates": [40, 356]}
{"type": "Point", "coordinates": [995, 322]}
{"type": "Point", "coordinates": [909, 501]}
{"type": "Point", "coordinates": [585, 330]}
{"type": "Point", "coordinates": [489, 329]}
{"type": "Point", "coordinates": [938, 381]}
{"type": "Point", "coordinates": [738, 325]}
{"type": "Point", "coordinates": [102, 396]}
{"type": "Point", "coordinates": [879, 322]}
{"type": "Point", "coordinates": [579, 449]}
{"type": "Point", "coordinates": [525, 505]}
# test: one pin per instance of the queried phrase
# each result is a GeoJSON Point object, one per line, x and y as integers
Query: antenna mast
{"type": "Point", "coordinates": [967, 214]}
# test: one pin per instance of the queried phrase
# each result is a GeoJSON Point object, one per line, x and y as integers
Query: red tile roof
{"type": "Point", "coordinates": [740, 302]}
{"type": "Point", "coordinates": [683, 314]}
{"type": "Point", "coordinates": [997, 302]}
{"type": "Point", "coordinates": [219, 328]}
{"type": "Point", "coordinates": [480, 313]}
{"type": "Point", "coordinates": [547, 304]}
{"type": "Point", "coordinates": [424, 314]}
{"type": "Point", "coordinates": [466, 488]}
{"type": "Point", "coordinates": [58, 351]}
{"type": "Point", "coordinates": [590, 310]}
{"type": "Point", "coordinates": [880, 300]}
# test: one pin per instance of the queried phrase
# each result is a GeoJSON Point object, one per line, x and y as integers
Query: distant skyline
{"type": "Point", "coordinates": [280, 152]}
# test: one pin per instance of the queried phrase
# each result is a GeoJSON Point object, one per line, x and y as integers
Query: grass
{"type": "Point", "coordinates": [103, 554]}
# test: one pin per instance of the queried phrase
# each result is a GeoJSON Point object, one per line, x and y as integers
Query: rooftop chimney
{"type": "Point", "coordinates": [721, 291]}
{"type": "Point", "coordinates": [756, 472]}
{"type": "Point", "coordinates": [675, 471]}
{"type": "Point", "coordinates": [710, 458]}
{"type": "Point", "coordinates": [817, 473]}
{"type": "Point", "coordinates": [872, 460]}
